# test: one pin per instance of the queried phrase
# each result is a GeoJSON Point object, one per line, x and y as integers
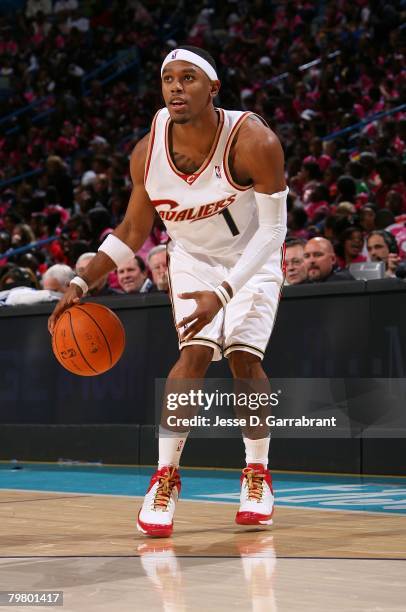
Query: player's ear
{"type": "Point", "coordinates": [215, 88]}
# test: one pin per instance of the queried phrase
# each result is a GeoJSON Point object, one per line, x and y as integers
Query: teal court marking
{"type": "Point", "coordinates": [328, 492]}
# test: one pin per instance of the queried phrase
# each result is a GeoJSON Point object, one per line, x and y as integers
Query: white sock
{"type": "Point", "coordinates": [256, 451]}
{"type": "Point", "coordinates": [170, 447]}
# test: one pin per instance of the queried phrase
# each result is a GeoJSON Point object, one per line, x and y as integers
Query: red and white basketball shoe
{"type": "Point", "coordinates": [156, 515]}
{"type": "Point", "coordinates": [256, 499]}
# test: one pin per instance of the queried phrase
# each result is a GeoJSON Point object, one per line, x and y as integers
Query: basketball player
{"type": "Point", "coordinates": [216, 178]}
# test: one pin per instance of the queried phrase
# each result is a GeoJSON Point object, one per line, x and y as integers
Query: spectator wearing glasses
{"type": "Point", "coordinates": [294, 262]}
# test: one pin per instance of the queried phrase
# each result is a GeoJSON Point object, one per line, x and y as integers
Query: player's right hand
{"type": "Point", "coordinates": [71, 297]}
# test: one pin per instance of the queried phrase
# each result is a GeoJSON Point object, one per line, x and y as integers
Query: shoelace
{"type": "Point", "coordinates": [255, 484]}
{"type": "Point", "coordinates": [164, 490]}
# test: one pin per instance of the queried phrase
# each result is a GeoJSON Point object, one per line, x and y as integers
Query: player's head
{"type": "Point", "coordinates": [189, 82]}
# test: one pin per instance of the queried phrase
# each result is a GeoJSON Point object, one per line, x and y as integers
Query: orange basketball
{"type": "Point", "coordinates": [88, 339]}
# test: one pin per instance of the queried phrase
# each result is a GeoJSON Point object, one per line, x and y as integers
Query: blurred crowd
{"type": "Point", "coordinates": [90, 71]}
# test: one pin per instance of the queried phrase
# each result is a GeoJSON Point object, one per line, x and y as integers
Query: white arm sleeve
{"type": "Point", "coordinates": [268, 238]}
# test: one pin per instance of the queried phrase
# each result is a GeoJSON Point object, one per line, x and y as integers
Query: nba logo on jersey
{"type": "Point", "coordinates": [217, 171]}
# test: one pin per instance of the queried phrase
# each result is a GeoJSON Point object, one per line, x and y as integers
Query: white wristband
{"type": "Point", "coordinates": [116, 249]}
{"type": "Point", "coordinates": [222, 295]}
{"type": "Point", "coordinates": [225, 293]}
{"type": "Point", "coordinates": [80, 282]}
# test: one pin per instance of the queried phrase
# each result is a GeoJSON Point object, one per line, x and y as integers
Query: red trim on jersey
{"type": "Point", "coordinates": [150, 147]}
{"type": "Point", "coordinates": [170, 291]}
{"type": "Point", "coordinates": [283, 262]}
{"type": "Point", "coordinates": [283, 268]}
{"type": "Point", "coordinates": [191, 178]}
{"type": "Point", "coordinates": [227, 152]}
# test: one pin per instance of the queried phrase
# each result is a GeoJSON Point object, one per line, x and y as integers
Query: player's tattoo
{"type": "Point", "coordinates": [184, 163]}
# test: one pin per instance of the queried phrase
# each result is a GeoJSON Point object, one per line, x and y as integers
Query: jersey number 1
{"type": "Point", "coordinates": [230, 222]}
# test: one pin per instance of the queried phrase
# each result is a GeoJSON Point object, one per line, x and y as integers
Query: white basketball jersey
{"type": "Point", "coordinates": [205, 213]}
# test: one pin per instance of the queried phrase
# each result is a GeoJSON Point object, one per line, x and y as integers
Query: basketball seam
{"type": "Point", "coordinates": [105, 339]}
{"type": "Point", "coordinates": [77, 344]}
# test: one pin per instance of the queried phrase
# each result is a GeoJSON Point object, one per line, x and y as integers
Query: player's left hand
{"type": "Point", "coordinates": [208, 305]}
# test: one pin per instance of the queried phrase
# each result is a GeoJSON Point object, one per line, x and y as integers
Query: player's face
{"type": "Point", "coordinates": [295, 265]}
{"type": "Point", "coordinates": [187, 90]}
{"type": "Point", "coordinates": [130, 276]}
{"type": "Point", "coordinates": [377, 249]}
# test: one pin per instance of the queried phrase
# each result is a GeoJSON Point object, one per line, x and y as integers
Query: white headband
{"type": "Point", "coordinates": [193, 58]}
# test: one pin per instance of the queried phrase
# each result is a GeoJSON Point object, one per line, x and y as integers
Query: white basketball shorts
{"type": "Point", "coordinates": [246, 323]}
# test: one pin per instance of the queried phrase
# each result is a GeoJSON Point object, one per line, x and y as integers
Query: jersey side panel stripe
{"type": "Point", "coordinates": [150, 147]}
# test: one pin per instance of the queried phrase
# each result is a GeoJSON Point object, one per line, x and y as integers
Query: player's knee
{"type": "Point", "coordinates": [245, 365]}
{"type": "Point", "coordinates": [195, 360]}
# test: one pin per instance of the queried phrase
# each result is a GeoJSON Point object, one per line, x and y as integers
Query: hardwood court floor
{"type": "Point", "coordinates": [87, 546]}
